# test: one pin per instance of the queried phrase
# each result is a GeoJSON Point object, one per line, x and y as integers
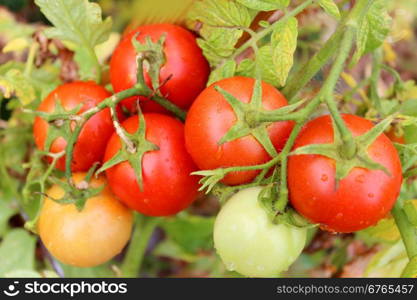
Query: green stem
{"type": "Point", "coordinates": [407, 230]}
{"type": "Point", "coordinates": [327, 90]}
{"type": "Point", "coordinates": [181, 114]}
{"type": "Point", "coordinates": [349, 146]}
{"type": "Point", "coordinates": [376, 74]}
{"type": "Point", "coordinates": [310, 69]}
{"type": "Point", "coordinates": [144, 227]}
{"type": "Point", "coordinates": [84, 117]}
{"type": "Point", "coordinates": [31, 59]}
{"type": "Point", "coordinates": [282, 200]}
{"type": "Point", "coordinates": [256, 37]}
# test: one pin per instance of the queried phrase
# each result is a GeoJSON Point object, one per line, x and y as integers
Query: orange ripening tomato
{"type": "Point", "coordinates": [89, 237]}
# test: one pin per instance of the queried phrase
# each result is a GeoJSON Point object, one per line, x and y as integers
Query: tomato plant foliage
{"type": "Point", "coordinates": [224, 148]}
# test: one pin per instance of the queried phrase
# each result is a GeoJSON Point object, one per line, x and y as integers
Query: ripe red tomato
{"type": "Point", "coordinates": [168, 186]}
{"type": "Point", "coordinates": [96, 132]}
{"type": "Point", "coordinates": [209, 119]}
{"type": "Point", "coordinates": [184, 62]}
{"type": "Point", "coordinates": [361, 199]}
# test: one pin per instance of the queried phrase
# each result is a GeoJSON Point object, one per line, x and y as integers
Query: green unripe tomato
{"type": "Point", "coordinates": [249, 243]}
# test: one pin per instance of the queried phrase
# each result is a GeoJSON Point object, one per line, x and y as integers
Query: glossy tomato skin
{"type": "Point", "coordinates": [89, 237]}
{"type": "Point", "coordinates": [168, 186]}
{"type": "Point", "coordinates": [184, 62]}
{"type": "Point", "coordinates": [248, 242]}
{"type": "Point", "coordinates": [361, 199]}
{"type": "Point", "coordinates": [92, 141]}
{"type": "Point", "coordinates": [209, 119]}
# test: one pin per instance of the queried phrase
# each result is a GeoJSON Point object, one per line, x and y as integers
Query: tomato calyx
{"type": "Point", "coordinates": [60, 122]}
{"type": "Point", "coordinates": [335, 151]}
{"type": "Point", "coordinates": [77, 193]}
{"type": "Point", "coordinates": [134, 147]}
{"type": "Point", "coordinates": [247, 121]}
{"type": "Point", "coordinates": [150, 57]}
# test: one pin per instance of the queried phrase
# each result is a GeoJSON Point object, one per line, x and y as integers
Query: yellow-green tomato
{"type": "Point", "coordinates": [249, 243]}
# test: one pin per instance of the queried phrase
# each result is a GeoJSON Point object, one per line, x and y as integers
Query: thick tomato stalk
{"type": "Point", "coordinates": [211, 117]}
{"type": "Point", "coordinates": [359, 200]}
{"type": "Point", "coordinates": [168, 186]}
{"type": "Point", "coordinates": [185, 71]}
{"type": "Point", "coordinates": [93, 138]}
{"type": "Point", "coordinates": [88, 237]}
{"type": "Point", "coordinates": [248, 242]}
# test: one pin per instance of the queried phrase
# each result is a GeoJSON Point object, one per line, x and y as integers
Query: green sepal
{"type": "Point", "coordinates": [133, 156]}
{"type": "Point", "coordinates": [75, 193]}
{"type": "Point", "coordinates": [334, 151]}
{"type": "Point", "coordinates": [246, 123]}
{"type": "Point", "coordinates": [210, 178]}
{"type": "Point", "coordinates": [153, 54]}
{"type": "Point", "coordinates": [59, 122]}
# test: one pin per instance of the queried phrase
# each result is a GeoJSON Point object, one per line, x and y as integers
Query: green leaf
{"type": "Point", "coordinates": [102, 271]}
{"type": "Point", "coordinates": [80, 23]}
{"type": "Point", "coordinates": [15, 83]}
{"type": "Point", "coordinates": [17, 251]}
{"type": "Point", "coordinates": [410, 271]}
{"type": "Point", "coordinates": [389, 262]}
{"type": "Point", "coordinates": [265, 5]}
{"type": "Point", "coordinates": [191, 233]}
{"type": "Point", "coordinates": [247, 68]}
{"type": "Point", "coordinates": [373, 29]}
{"type": "Point", "coordinates": [264, 62]}
{"type": "Point", "coordinates": [222, 21]}
{"type": "Point", "coordinates": [385, 231]}
{"type": "Point", "coordinates": [220, 13]}
{"type": "Point", "coordinates": [170, 249]}
{"type": "Point", "coordinates": [228, 69]}
{"type": "Point", "coordinates": [22, 274]}
{"type": "Point", "coordinates": [410, 209]}
{"type": "Point", "coordinates": [6, 211]}
{"type": "Point", "coordinates": [284, 44]}
{"type": "Point", "coordinates": [331, 8]}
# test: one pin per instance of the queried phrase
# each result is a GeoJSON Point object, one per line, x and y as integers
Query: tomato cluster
{"type": "Point", "coordinates": [246, 238]}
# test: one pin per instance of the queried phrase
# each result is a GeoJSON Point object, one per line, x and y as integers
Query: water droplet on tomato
{"type": "Point", "coordinates": [230, 266]}
{"type": "Point", "coordinates": [360, 179]}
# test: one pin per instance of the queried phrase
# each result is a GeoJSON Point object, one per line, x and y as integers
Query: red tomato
{"type": "Point", "coordinates": [184, 62]}
{"type": "Point", "coordinates": [361, 199]}
{"type": "Point", "coordinates": [210, 118]}
{"type": "Point", "coordinates": [96, 132]}
{"type": "Point", "coordinates": [168, 186]}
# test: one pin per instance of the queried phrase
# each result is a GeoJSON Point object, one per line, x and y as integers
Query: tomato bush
{"type": "Point", "coordinates": [262, 138]}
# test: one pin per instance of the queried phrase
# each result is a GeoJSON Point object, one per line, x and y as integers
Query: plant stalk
{"type": "Point", "coordinates": [142, 232]}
